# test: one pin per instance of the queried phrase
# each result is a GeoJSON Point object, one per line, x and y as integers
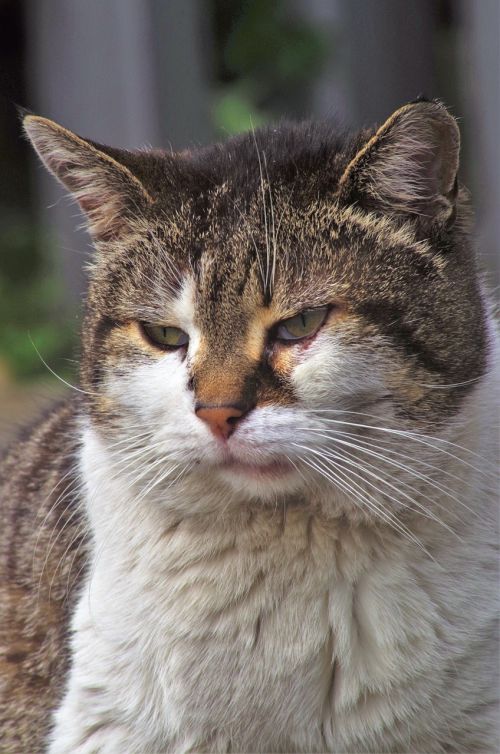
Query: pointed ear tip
{"type": "Point", "coordinates": [33, 123]}
{"type": "Point", "coordinates": [37, 124]}
{"type": "Point", "coordinates": [30, 120]}
{"type": "Point", "coordinates": [41, 131]}
{"type": "Point", "coordinates": [432, 107]}
{"type": "Point", "coordinates": [434, 113]}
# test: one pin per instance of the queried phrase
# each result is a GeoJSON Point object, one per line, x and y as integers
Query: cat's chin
{"type": "Point", "coordinates": [259, 479]}
{"type": "Point", "coordinates": [272, 470]}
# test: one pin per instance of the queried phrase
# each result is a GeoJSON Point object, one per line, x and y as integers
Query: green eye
{"type": "Point", "coordinates": [168, 337]}
{"type": "Point", "coordinates": [303, 325]}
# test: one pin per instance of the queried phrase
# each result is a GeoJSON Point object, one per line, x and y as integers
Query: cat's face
{"type": "Point", "coordinates": [258, 311]}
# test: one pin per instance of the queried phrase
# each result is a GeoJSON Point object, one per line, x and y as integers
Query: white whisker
{"type": "Point", "coordinates": [414, 437]}
{"type": "Point", "coordinates": [335, 439]}
{"type": "Point", "coordinates": [273, 228]}
{"type": "Point", "coordinates": [268, 251]}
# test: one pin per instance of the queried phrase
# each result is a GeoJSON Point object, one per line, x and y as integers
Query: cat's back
{"type": "Point", "coordinates": [41, 556]}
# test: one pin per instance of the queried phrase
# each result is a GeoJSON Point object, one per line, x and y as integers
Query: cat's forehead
{"type": "Point", "coordinates": [256, 251]}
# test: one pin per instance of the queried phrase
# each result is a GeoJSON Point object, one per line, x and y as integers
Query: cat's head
{"type": "Point", "coordinates": [257, 306]}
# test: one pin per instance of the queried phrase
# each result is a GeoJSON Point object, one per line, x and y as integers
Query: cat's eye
{"type": "Point", "coordinates": [303, 325]}
{"type": "Point", "coordinates": [166, 337]}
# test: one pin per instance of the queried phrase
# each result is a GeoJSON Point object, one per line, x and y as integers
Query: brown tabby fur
{"type": "Point", "coordinates": [42, 554]}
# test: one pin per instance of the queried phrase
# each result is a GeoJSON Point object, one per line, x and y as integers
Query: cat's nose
{"type": "Point", "coordinates": [222, 420]}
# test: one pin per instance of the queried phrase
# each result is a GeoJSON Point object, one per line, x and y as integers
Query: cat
{"type": "Point", "coordinates": [266, 519]}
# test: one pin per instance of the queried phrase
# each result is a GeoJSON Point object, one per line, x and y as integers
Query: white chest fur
{"type": "Point", "coordinates": [266, 631]}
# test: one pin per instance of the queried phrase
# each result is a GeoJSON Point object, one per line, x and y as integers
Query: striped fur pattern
{"type": "Point", "coordinates": [324, 578]}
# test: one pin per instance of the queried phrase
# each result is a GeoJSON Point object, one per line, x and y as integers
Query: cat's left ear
{"type": "Point", "coordinates": [409, 167]}
{"type": "Point", "coordinates": [108, 192]}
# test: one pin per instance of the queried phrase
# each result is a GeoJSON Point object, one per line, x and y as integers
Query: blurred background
{"type": "Point", "coordinates": [176, 73]}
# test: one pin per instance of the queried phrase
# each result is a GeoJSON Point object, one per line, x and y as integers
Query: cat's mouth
{"type": "Point", "coordinates": [277, 469]}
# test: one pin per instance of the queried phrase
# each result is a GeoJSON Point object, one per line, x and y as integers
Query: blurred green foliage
{"type": "Point", "coordinates": [30, 299]}
{"type": "Point", "coordinates": [265, 58]}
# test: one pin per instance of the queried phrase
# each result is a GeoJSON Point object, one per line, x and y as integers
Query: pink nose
{"type": "Point", "coordinates": [222, 420]}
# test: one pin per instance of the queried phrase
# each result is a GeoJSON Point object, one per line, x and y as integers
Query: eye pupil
{"type": "Point", "coordinates": [303, 325]}
{"type": "Point", "coordinates": [164, 336]}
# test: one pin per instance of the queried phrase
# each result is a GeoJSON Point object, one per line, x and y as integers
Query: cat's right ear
{"type": "Point", "coordinates": [409, 166]}
{"type": "Point", "coordinates": [108, 193]}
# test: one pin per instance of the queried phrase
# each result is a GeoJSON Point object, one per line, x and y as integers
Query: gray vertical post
{"type": "Point", "coordinates": [123, 72]}
{"type": "Point", "coordinates": [181, 46]}
{"type": "Point", "coordinates": [389, 48]}
{"type": "Point", "coordinates": [481, 78]}
{"type": "Point", "coordinates": [91, 70]}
